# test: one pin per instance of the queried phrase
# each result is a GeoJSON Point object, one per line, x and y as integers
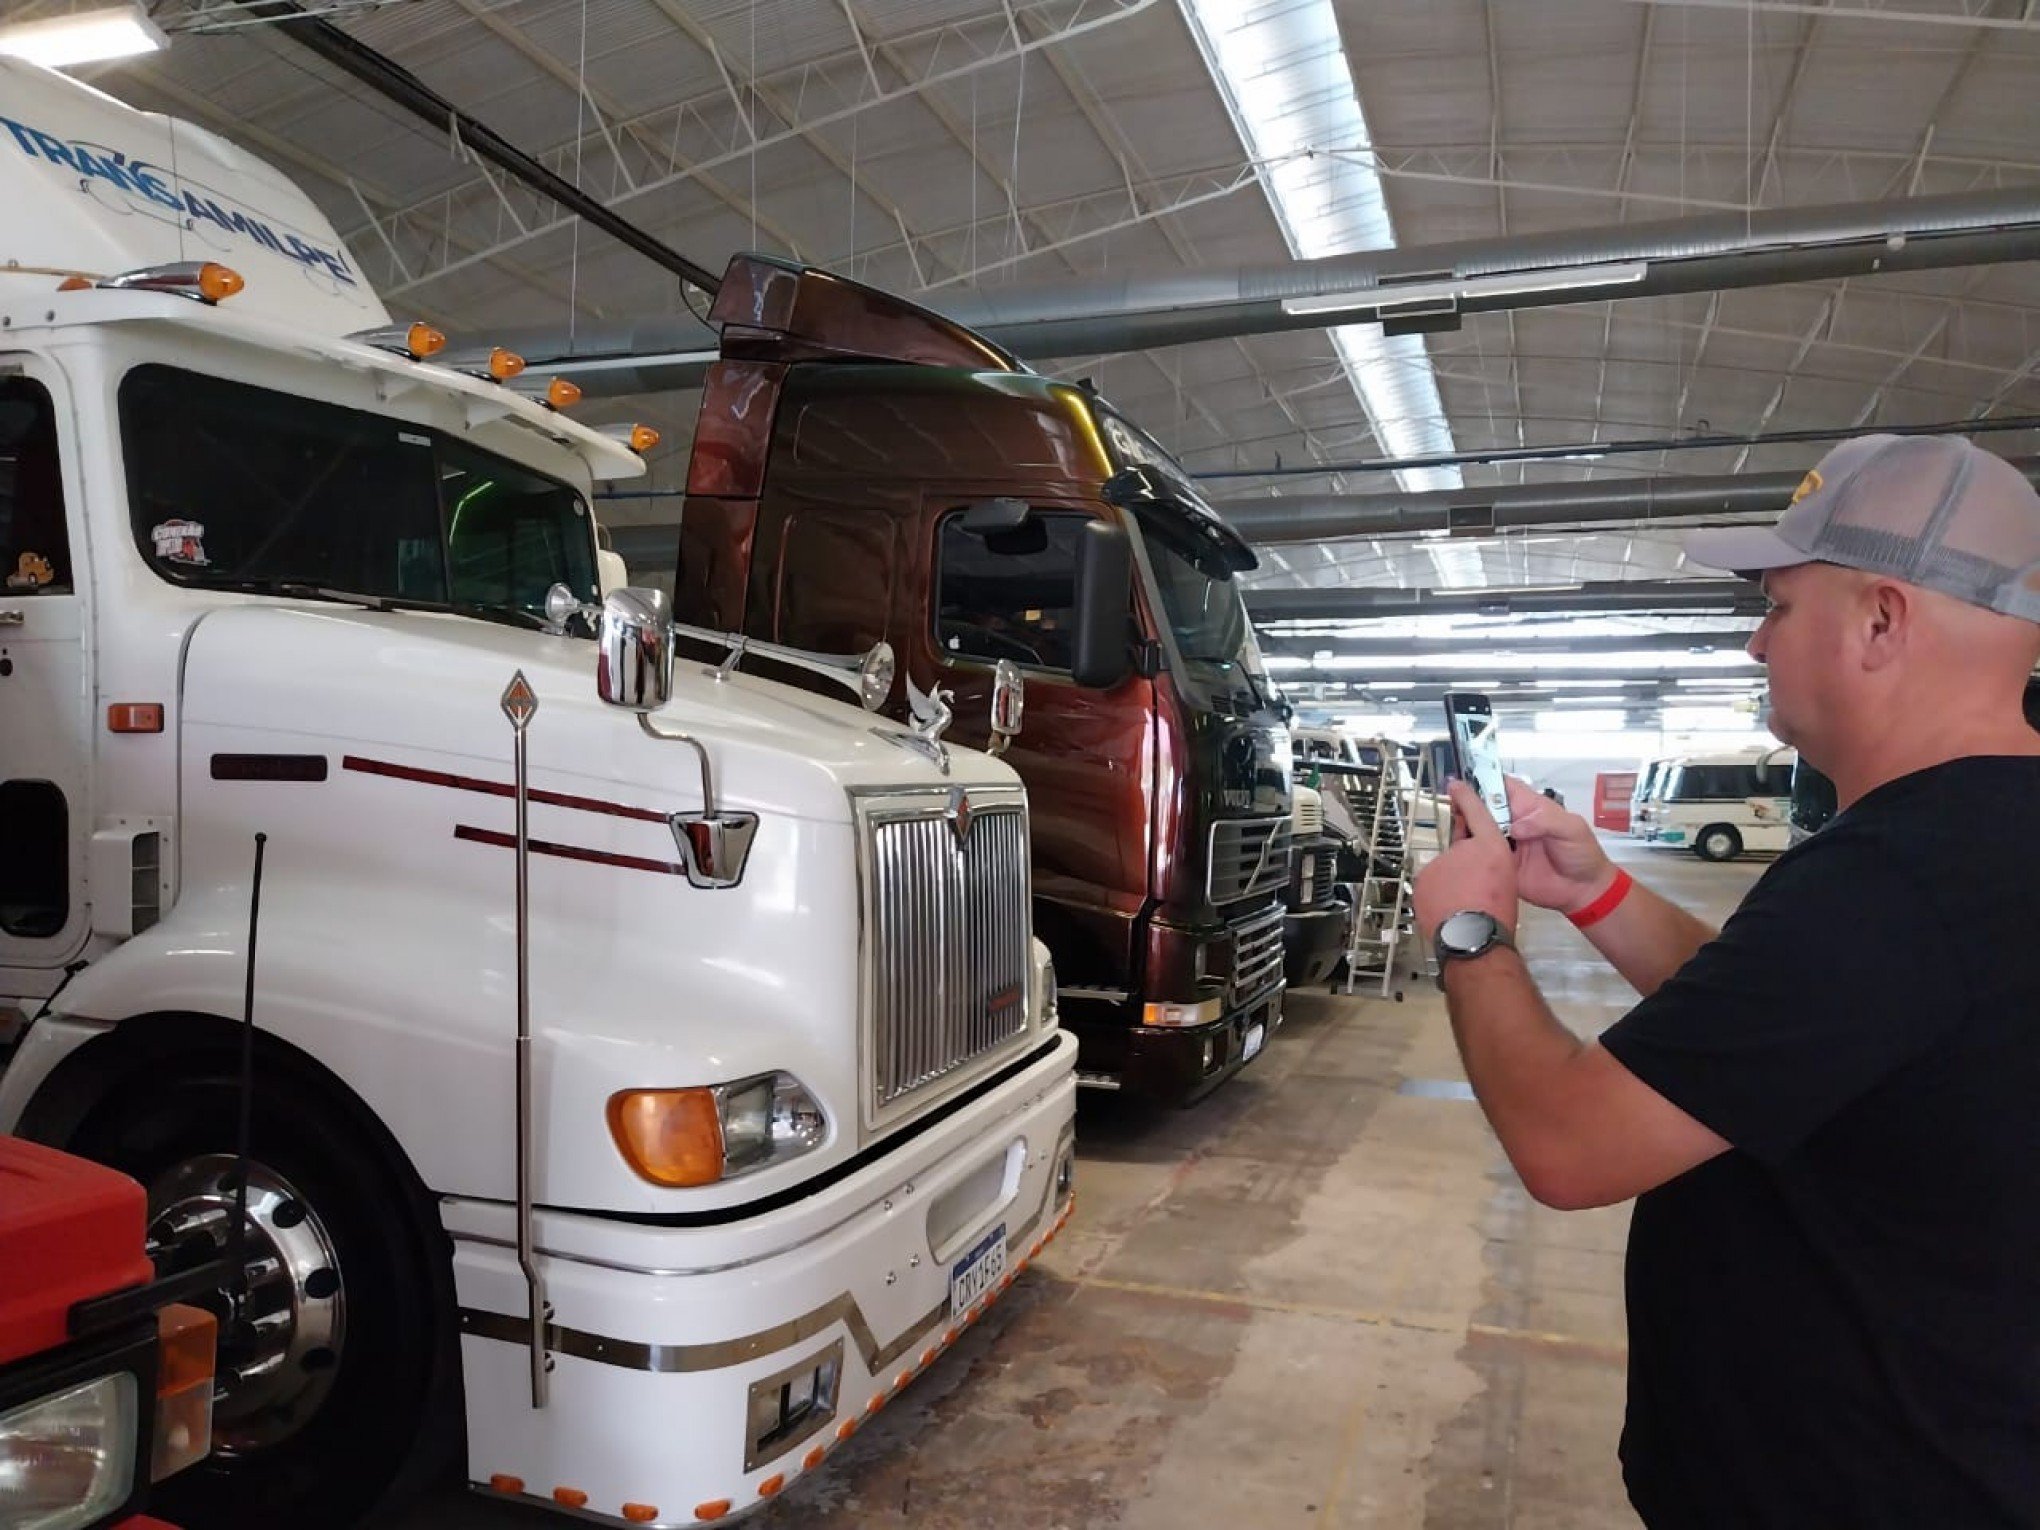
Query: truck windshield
{"type": "Point", "coordinates": [1202, 605]}
{"type": "Point", "coordinates": [242, 488]}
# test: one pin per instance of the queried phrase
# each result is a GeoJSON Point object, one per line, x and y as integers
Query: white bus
{"type": "Point", "coordinates": [1721, 806]}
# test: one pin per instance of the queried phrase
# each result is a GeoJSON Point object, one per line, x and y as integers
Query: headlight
{"type": "Point", "coordinates": [683, 1137]}
{"type": "Point", "coordinates": [69, 1459]}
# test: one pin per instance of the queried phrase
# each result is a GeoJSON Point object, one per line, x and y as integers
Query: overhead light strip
{"type": "Point", "coordinates": [83, 37]}
{"type": "Point", "coordinates": [1283, 73]}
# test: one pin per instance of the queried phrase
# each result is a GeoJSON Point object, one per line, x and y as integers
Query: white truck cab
{"type": "Point", "coordinates": [798, 1106]}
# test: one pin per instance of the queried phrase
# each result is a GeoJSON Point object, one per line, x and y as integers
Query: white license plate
{"type": "Point", "coordinates": [977, 1271]}
{"type": "Point", "coordinates": [1256, 1034]}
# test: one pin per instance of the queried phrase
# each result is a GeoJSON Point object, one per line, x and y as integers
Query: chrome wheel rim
{"type": "Point", "coordinates": [280, 1339]}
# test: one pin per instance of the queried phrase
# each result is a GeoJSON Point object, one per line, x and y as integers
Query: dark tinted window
{"type": "Point", "coordinates": [235, 487]}
{"type": "Point", "coordinates": [1726, 783]}
{"type": "Point", "coordinates": [35, 552]}
{"type": "Point", "coordinates": [1010, 596]}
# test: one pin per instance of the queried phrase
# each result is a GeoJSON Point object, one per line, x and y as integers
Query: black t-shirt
{"type": "Point", "coordinates": [1837, 1322]}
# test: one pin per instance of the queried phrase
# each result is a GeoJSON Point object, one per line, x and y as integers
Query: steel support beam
{"type": "Point", "coordinates": [1481, 512]}
{"type": "Point", "coordinates": [1735, 596]}
{"type": "Point", "coordinates": [1505, 640]}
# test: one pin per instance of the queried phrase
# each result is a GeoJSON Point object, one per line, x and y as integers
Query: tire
{"type": "Point", "coordinates": [1717, 842]}
{"type": "Point", "coordinates": [353, 1403]}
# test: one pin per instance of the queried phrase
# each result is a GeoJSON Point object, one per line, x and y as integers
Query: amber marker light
{"type": "Point", "coordinates": [669, 1136]}
{"type": "Point", "coordinates": [715, 1508]}
{"type": "Point", "coordinates": [561, 394]}
{"type": "Point", "coordinates": [639, 438]}
{"type": "Point", "coordinates": [770, 1487]}
{"type": "Point", "coordinates": [422, 340]}
{"type": "Point", "coordinates": [217, 282]}
{"type": "Point", "coordinates": [640, 1513]}
{"type": "Point", "coordinates": [135, 717]}
{"type": "Point", "coordinates": [504, 365]}
{"type": "Point", "coordinates": [185, 1349]}
{"type": "Point", "coordinates": [571, 1498]}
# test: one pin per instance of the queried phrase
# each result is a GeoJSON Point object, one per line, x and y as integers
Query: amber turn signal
{"type": "Point", "coordinates": [669, 1136]}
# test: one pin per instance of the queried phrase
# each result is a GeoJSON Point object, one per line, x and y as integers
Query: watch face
{"type": "Point", "coordinates": [1467, 932]}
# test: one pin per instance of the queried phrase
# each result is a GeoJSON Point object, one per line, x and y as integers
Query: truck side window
{"type": "Point", "coordinates": [1012, 601]}
{"type": "Point", "coordinates": [35, 551]}
{"type": "Point", "coordinates": [510, 534]}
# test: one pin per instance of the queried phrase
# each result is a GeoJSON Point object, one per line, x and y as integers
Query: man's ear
{"type": "Point", "coordinates": [1887, 611]}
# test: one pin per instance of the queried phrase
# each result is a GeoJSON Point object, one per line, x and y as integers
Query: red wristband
{"type": "Point", "coordinates": [1606, 904]}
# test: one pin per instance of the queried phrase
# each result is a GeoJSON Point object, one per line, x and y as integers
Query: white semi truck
{"type": "Point", "coordinates": [794, 1107]}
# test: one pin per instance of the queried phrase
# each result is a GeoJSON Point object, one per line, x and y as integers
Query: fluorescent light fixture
{"type": "Point", "coordinates": [1284, 76]}
{"type": "Point", "coordinates": [1597, 720]}
{"type": "Point", "coordinates": [1394, 296]}
{"type": "Point", "coordinates": [83, 37]}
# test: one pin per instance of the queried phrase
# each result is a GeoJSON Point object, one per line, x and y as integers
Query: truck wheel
{"type": "Point", "coordinates": [1717, 842]}
{"type": "Point", "coordinates": [338, 1389]}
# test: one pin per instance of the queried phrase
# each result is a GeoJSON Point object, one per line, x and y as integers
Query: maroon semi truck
{"type": "Point", "coordinates": [865, 469]}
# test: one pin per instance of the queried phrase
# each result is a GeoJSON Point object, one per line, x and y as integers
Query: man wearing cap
{"type": "Point", "coordinates": [1829, 1112]}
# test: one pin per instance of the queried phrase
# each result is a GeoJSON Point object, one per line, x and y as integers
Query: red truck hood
{"type": "Point", "coordinates": [68, 1230]}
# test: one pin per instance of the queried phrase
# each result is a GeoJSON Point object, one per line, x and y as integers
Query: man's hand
{"type": "Point", "coordinates": [1477, 872]}
{"type": "Point", "coordinates": [1559, 862]}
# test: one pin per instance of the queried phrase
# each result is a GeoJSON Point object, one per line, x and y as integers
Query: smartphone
{"type": "Point", "coordinates": [1476, 750]}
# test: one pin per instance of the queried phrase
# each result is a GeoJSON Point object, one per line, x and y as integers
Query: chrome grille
{"type": "Point", "coordinates": [949, 927]}
{"type": "Point", "coordinates": [1248, 856]}
{"type": "Point", "coordinates": [1257, 956]}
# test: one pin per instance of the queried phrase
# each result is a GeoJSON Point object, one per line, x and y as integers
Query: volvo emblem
{"type": "Point", "coordinates": [959, 814]}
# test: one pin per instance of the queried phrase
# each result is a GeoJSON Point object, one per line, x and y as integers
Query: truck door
{"type": "Point", "coordinates": [1087, 756]}
{"type": "Point", "coordinates": [45, 817]}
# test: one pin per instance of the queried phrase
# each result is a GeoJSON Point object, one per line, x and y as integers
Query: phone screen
{"type": "Point", "coordinates": [1479, 750]}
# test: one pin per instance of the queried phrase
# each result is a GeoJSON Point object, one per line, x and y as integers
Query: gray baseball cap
{"type": "Point", "coordinates": [1934, 511]}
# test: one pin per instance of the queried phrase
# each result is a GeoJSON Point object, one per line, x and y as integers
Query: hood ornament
{"type": "Point", "coordinates": [932, 715]}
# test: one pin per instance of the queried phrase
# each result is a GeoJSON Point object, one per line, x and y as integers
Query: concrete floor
{"type": "Point", "coordinates": [1319, 1298]}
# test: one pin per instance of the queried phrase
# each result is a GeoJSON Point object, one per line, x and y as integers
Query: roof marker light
{"type": "Point", "coordinates": [639, 438]}
{"type": "Point", "coordinates": [205, 280]}
{"type": "Point", "coordinates": [553, 392]}
{"type": "Point", "coordinates": [417, 340]}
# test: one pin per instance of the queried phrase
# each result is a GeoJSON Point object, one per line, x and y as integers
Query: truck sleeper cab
{"type": "Point", "coordinates": [892, 476]}
{"type": "Point", "coordinates": [277, 579]}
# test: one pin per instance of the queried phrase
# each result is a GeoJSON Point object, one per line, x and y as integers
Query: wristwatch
{"type": "Point", "coordinates": [1463, 936]}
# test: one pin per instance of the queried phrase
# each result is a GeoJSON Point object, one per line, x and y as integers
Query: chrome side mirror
{"type": "Point", "coordinates": [633, 649]}
{"type": "Point", "coordinates": [1009, 705]}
